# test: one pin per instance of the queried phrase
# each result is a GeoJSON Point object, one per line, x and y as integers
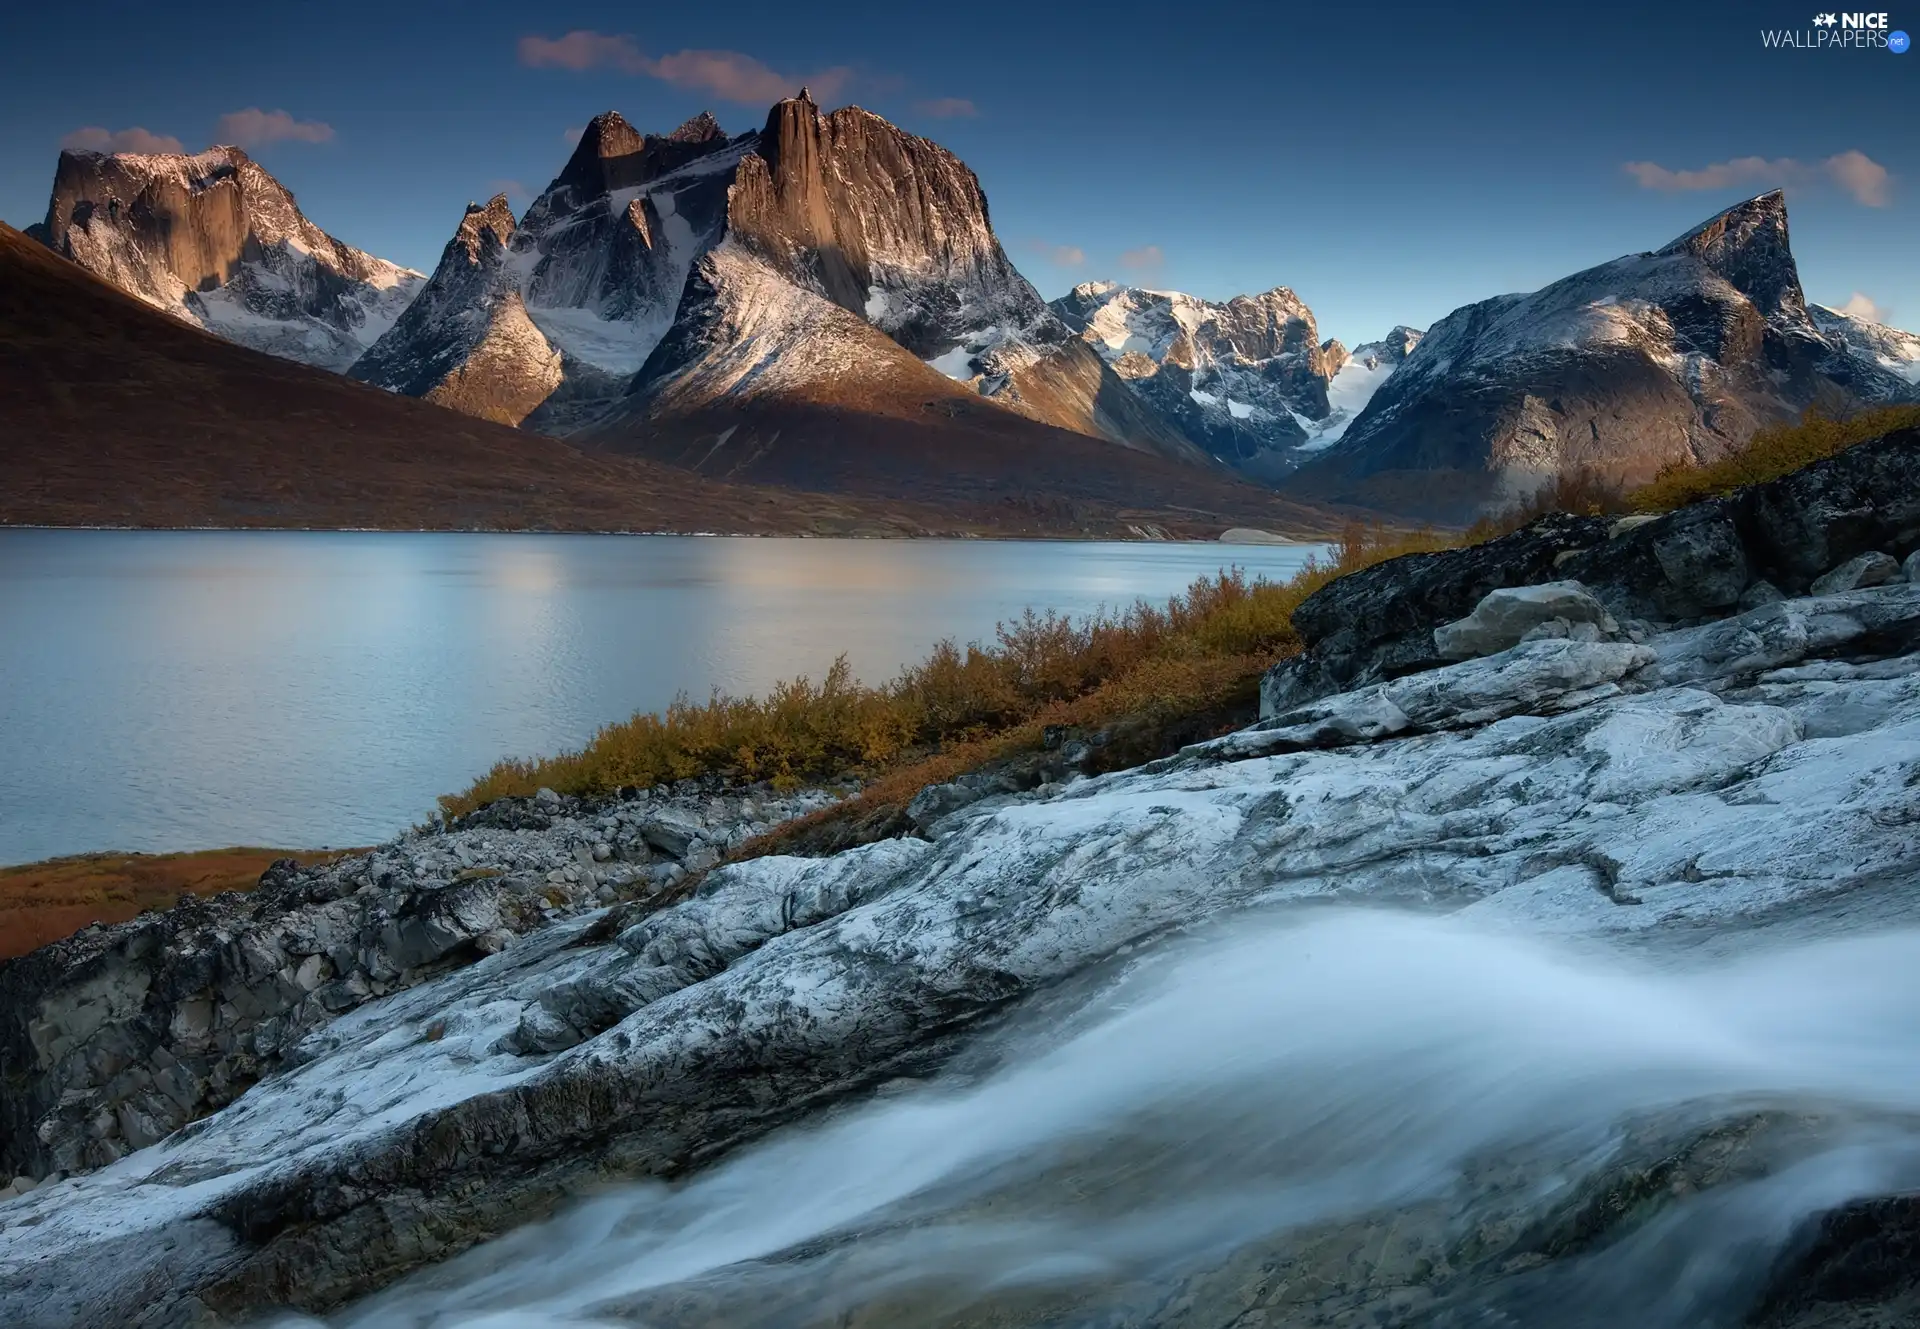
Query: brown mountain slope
{"type": "Point", "coordinates": [113, 414]}
{"type": "Point", "coordinates": [762, 382]}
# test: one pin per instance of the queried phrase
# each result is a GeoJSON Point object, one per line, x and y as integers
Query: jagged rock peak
{"type": "Point", "coordinates": [215, 240]}
{"type": "Point", "coordinates": [700, 129]}
{"type": "Point", "coordinates": [1748, 245]}
{"type": "Point", "coordinates": [612, 155]}
{"type": "Point", "coordinates": [490, 220]}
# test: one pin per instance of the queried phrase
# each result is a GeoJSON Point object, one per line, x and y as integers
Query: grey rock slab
{"type": "Point", "coordinates": [1505, 617]}
{"type": "Point", "coordinates": [1869, 569]}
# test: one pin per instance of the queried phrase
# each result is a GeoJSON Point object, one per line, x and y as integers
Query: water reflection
{"type": "Point", "coordinates": [166, 690]}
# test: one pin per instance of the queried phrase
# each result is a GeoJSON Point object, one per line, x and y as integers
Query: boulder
{"type": "Point", "coordinates": [1378, 623]}
{"type": "Point", "coordinates": [1702, 562]}
{"type": "Point", "coordinates": [1869, 569]}
{"type": "Point", "coordinates": [1505, 617]}
{"type": "Point", "coordinates": [1912, 567]}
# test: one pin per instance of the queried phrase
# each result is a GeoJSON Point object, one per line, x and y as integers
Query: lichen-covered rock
{"type": "Point", "coordinates": [1378, 623]}
{"type": "Point", "coordinates": [1705, 561]}
{"type": "Point", "coordinates": [1869, 569]}
{"type": "Point", "coordinates": [117, 1036]}
{"type": "Point", "coordinates": [1507, 616]}
{"type": "Point", "coordinates": [1618, 789]}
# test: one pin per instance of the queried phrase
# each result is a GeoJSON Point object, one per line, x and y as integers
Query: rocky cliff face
{"type": "Point", "coordinates": [1676, 355]}
{"type": "Point", "coordinates": [1249, 380]}
{"type": "Point", "coordinates": [1888, 348]}
{"type": "Point", "coordinates": [895, 229]}
{"type": "Point", "coordinates": [842, 208]}
{"type": "Point", "coordinates": [217, 241]}
{"type": "Point", "coordinates": [466, 341]}
{"type": "Point", "coordinates": [579, 292]}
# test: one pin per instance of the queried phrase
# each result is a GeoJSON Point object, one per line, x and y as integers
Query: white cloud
{"type": "Point", "coordinates": [1858, 175]}
{"type": "Point", "coordinates": [253, 128]}
{"type": "Point", "coordinates": [95, 139]}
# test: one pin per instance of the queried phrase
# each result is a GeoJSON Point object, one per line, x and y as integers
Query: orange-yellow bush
{"type": "Point", "coordinates": [964, 705]}
{"type": "Point", "coordinates": [1770, 454]}
{"type": "Point", "coordinates": [1042, 668]}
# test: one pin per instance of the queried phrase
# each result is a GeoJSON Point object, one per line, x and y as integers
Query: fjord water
{"type": "Point", "coordinates": [1326, 1101]}
{"type": "Point", "coordinates": [178, 690]}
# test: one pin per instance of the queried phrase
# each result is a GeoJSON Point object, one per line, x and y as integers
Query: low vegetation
{"type": "Point", "coordinates": [1160, 668]}
{"type": "Point", "coordinates": [1771, 454]}
{"type": "Point", "coordinates": [42, 902]}
{"type": "Point", "coordinates": [962, 704]}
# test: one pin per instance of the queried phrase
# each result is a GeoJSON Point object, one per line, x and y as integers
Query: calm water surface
{"type": "Point", "coordinates": [178, 690]}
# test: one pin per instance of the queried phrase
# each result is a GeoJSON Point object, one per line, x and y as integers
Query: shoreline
{"type": "Point", "coordinates": [48, 899]}
{"type": "Point", "coordinates": [1279, 539]}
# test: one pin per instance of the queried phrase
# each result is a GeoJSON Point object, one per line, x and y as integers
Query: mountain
{"type": "Point", "coordinates": [546, 322]}
{"type": "Point", "coordinates": [1250, 380]}
{"type": "Point", "coordinates": [1673, 356]}
{"type": "Point", "coordinates": [467, 341]}
{"type": "Point", "coordinates": [216, 241]}
{"type": "Point", "coordinates": [844, 209]}
{"type": "Point", "coordinates": [114, 414]}
{"type": "Point", "coordinates": [1888, 348]}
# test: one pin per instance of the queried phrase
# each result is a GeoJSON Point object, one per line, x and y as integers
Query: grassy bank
{"type": "Point", "coordinates": [961, 703]}
{"type": "Point", "coordinates": [43, 902]}
{"type": "Point", "coordinates": [1200, 655]}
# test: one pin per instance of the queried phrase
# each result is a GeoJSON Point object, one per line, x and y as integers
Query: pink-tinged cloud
{"type": "Point", "coordinates": [1861, 177]}
{"type": "Point", "coordinates": [734, 77]}
{"type": "Point", "coordinates": [948, 108]}
{"type": "Point", "coordinates": [728, 75]}
{"type": "Point", "coordinates": [582, 50]}
{"type": "Point", "coordinates": [1859, 306]}
{"type": "Point", "coordinates": [254, 128]}
{"type": "Point", "coordinates": [511, 188]}
{"type": "Point", "coordinates": [95, 139]}
{"type": "Point", "coordinates": [1061, 256]}
{"type": "Point", "coordinates": [1147, 258]}
{"type": "Point", "coordinates": [572, 133]}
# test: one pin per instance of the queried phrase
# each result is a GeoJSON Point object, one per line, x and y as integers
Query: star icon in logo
{"type": "Point", "coordinates": [1825, 20]}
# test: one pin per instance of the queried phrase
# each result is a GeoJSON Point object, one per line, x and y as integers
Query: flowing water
{"type": "Point", "coordinates": [1398, 1117]}
{"type": "Point", "coordinates": [166, 690]}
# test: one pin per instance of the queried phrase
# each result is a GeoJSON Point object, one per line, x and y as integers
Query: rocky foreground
{"type": "Point", "coordinates": [1701, 737]}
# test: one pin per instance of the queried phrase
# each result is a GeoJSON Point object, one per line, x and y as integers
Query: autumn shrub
{"type": "Point", "coordinates": [1770, 454]}
{"type": "Point", "coordinates": [1041, 669]}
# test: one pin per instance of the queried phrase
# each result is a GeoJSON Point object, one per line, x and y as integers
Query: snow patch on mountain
{"type": "Point", "coordinates": [1890, 348]}
{"type": "Point", "coordinates": [1249, 379]}
{"type": "Point", "coordinates": [216, 241]}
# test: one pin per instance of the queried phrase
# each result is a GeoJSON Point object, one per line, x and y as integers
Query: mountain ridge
{"type": "Point", "coordinates": [1673, 356]}
{"type": "Point", "coordinates": [215, 240]}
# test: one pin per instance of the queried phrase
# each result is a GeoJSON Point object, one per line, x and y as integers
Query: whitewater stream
{"type": "Point", "coordinates": [1302, 1096]}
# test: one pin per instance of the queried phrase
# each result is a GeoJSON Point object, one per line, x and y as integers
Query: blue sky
{"type": "Point", "coordinates": [1388, 162]}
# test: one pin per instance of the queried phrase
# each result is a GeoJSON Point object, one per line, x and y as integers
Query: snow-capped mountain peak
{"type": "Point", "coordinates": [1248, 378]}
{"type": "Point", "coordinates": [215, 240]}
{"type": "Point", "coordinates": [1889, 348]}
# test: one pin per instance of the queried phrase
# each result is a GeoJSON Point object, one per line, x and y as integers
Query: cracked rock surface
{"type": "Point", "coordinates": [1693, 784]}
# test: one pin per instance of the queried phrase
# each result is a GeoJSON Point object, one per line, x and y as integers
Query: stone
{"type": "Point", "coordinates": [1870, 569]}
{"type": "Point", "coordinates": [546, 797]}
{"type": "Point", "coordinates": [1760, 593]}
{"type": "Point", "coordinates": [671, 831]}
{"type": "Point", "coordinates": [1379, 622]}
{"type": "Point", "coordinates": [1911, 568]}
{"type": "Point", "coordinates": [1630, 523]}
{"type": "Point", "coordinates": [1505, 617]}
